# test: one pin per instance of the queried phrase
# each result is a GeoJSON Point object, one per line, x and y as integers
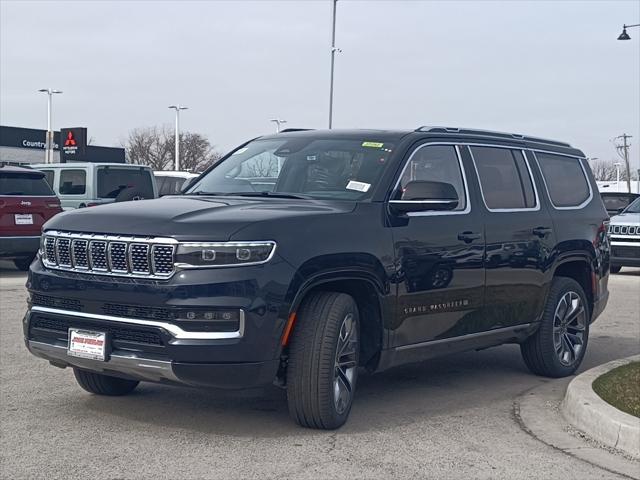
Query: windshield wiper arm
{"type": "Point", "coordinates": [266, 193]}
{"type": "Point", "coordinates": [213, 194]}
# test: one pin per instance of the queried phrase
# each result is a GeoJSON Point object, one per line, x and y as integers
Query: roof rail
{"type": "Point", "coordinates": [296, 130]}
{"type": "Point", "coordinates": [489, 133]}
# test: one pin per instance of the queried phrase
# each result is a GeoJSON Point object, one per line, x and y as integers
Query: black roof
{"type": "Point", "coordinates": [426, 131]}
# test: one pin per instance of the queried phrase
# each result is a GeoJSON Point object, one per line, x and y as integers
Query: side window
{"type": "Point", "coordinates": [565, 179]}
{"type": "Point", "coordinates": [48, 176]}
{"type": "Point", "coordinates": [73, 182]}
{"type": "Point", "coordinates": [436, 163]}
{"type": "Point", "coordinates": [505, 180]}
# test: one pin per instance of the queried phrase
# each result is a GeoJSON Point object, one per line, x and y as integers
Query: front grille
{"type": "Point", "coordinates": [626, 252]}
{"type": "Point", "coordinates": [61, 326]}
{"type": "Point", "coordinates": [56, 302]}
{"type": "Point", "coordinates": [624, 229]}
{"type": "Point", "coordinates": [109, 255]}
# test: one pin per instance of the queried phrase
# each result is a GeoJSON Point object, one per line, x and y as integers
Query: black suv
{"type": "Point", "coordinates": [308, 254]}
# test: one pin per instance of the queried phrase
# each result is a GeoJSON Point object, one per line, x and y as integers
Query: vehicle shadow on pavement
{"type": "Point", "coordinates": [455, 385]}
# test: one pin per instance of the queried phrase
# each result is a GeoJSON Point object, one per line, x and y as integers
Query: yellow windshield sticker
{"type": "Point", "coordinates": [372, 144]}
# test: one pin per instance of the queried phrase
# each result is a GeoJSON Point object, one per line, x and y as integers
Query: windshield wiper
{"type": "Point", "coordinates": [266, 193]}
{"type": "Point", "coordinates": [213, 194]}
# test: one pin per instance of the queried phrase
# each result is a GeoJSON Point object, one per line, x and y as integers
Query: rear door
{"type": "Point", "coordinates": [439, 255]}
{"type": "Point", "coordinates": [519, 235]}
{"type": "Point", "coordinates": [26, 203]}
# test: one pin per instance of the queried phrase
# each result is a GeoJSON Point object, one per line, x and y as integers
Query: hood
{"type": "Point", "coordinates": [189, 217]}
{"type": "Point", "coordinates": [625, 219]}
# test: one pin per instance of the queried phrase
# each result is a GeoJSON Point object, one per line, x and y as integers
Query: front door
{"type": "Point", "coordinates": [439, 255]}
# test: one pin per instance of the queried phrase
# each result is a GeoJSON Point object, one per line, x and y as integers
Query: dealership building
{"type": "Point", "coordinates": [27, 145]}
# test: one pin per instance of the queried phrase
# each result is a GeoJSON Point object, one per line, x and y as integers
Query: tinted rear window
{"type": "Point", "coordinates": [24, 184]}
{"type": "Point", "coordinates": [504, 178]}
{"type": "Point", "coordinates": [112, 181]}
{"type": "Point", "coordinates": [615, 202]}
{"type": "Point", "coordinates": [565, 179]}
{"type": "Point", "coordinates": [169, 185]}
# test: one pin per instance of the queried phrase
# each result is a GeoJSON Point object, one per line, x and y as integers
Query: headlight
{"type": "Point", "coordinates": [223, 254]}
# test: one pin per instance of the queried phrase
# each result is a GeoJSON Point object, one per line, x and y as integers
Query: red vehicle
{"type": "Point", "coordinates": [26, 203]}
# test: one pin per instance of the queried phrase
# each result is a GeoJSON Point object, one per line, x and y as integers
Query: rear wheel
{"type": "Point", "coordinates": [559, 345]}
{"type": "Point", "coordinates": [615, 269]}
{"type": "Point", "coordinates": [23, 263]}
{"type": "Point", "coordinates": [104, 384]}
{"type": "Point", "coordinates": [323, 361]}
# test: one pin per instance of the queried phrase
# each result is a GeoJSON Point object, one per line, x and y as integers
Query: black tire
{"type": "Point", "coordinates": [23, 263]}
{"type": "Point", "coordinates": [615, 269]}
{"type": "Point", "coordinates": [104, 384]}
{"type": "Point", "coordinates": [540, 351]}
{"type": "Point", "coordinates": [312, 366]}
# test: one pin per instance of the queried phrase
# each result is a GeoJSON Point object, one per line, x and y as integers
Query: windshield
{"type": "Point", "coordinates": [302, 167]}
{"type": "Point", "coordinates": [634, 207]}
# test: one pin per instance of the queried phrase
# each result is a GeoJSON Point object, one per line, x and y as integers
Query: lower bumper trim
{"type": "Point", "coordinates": [132, 366]}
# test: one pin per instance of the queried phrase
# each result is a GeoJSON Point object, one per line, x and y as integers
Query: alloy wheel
{"type": "Point", "coordinates": [569, 325]}
{"type": "Point", "coordinates": [346, 363]}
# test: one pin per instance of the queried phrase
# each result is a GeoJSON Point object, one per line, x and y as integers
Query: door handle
{"type": "Point", "coordinates": [542, 231]}
{"type": "Point", "coordinates": [469, 237]}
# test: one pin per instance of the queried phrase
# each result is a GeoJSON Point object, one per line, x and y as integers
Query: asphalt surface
{"type": "Point", "coordinates": [450, 417]}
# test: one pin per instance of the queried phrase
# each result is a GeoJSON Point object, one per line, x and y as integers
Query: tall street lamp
{"type": "Point", "coordinates": [278, 122]}
{"type": "Point", "coordinates": [48, 152]}
{"type": "Point", "coordinates": [177, 108]}
{"type": "Point", "coordinates": [624, 35]}
{"type": "Point", "coordinates": [333, 59]}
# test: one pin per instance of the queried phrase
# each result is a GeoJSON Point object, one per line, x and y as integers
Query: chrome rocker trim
{"type": "Point", "coordinates": [174, 330]}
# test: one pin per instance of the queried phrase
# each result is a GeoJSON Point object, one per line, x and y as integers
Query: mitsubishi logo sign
{"type": "Point", "coordinates": [74, 143]}
{"type": "Point", "coordinates": [70, 141]}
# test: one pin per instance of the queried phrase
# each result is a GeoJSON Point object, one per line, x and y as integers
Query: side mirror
{"type": "Point", "coordinates": [422, 195]}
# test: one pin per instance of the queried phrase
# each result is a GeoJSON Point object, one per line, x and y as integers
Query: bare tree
{"type": "Point", "coordinates": [150, 146]}
{"type": "Point", "coordinates": [196, 152]}
{"type": "Point", "coordinates": [154, 146]}
{"type": "Point", "coordinates": [604, 170]}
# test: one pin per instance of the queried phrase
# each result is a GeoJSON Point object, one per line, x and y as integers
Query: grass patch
{"type": "Point", "coordinates": [621, 388]}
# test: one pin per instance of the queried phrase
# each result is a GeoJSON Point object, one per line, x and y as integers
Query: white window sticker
{"type": "Point", "coordinates": [241, 150]}
{"type": "Point", "coordinates": [358, 186]}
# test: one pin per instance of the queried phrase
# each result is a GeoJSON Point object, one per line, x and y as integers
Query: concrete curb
{"type": "Point", "coordinates": [585, 410]}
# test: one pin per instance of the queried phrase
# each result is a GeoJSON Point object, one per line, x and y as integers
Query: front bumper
{"type": "Point", "coordinates": [18, 247]}
{"type": "Point", "coordinates": [143, 345]}
{"type": "Point", "coordinates": [136, 366]}
{"type": "Point", "coordinates": [625, 253]}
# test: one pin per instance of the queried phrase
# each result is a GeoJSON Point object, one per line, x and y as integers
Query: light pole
{"type": "Point", "coordinates": [278, 122]}
{"type": "Point", "coordinates": [48, 148]}
{"type": "Point", "coordinates": [617, 165]}
{"type": "Point", "coordinates": [624, 35]}
{"type": "Point", "coordinates": [333, 59]}
{"type": "Point", "coordinates": [177, 108]}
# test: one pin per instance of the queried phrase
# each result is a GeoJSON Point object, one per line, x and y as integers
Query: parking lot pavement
{"type": "Point", "coordinates": [447, 418]}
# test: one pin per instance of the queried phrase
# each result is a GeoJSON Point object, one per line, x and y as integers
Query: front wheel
{"type": "Point", "coordinates": [558, 346]}
{"type": "Point", "coordinates": [323, 361]}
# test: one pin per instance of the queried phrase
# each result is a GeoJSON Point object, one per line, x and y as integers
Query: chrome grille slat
{"type": "Point", "coordinates": [122, 255]}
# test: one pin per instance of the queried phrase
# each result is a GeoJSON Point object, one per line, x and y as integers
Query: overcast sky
{"type": "Point", "coordinates": [547, 68]}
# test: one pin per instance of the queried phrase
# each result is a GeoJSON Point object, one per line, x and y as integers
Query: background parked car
{"type": "Point", "coordinates": [624, 234]}
{"type": "Point", "coordinates": [89, 184]}
{"type": "Point", "coordinates": [171, 182]}
{"type": "Point", "coordinates": [616, 202]}
{"type": "Point", "coordinates": [26, 203]}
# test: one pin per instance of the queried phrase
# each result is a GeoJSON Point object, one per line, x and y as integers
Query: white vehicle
{"type": "Point", "coordinates": [171, 182]}
{"type": "Point", "coordinates": [83, 184]}
{"type": "Point", "coordinates": [624, 234]}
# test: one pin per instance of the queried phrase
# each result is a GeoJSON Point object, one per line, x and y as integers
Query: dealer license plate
{"type": "Point", "coordinates": [87, 344]}
{"type": "Point", "coordinates": [23, 219]}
